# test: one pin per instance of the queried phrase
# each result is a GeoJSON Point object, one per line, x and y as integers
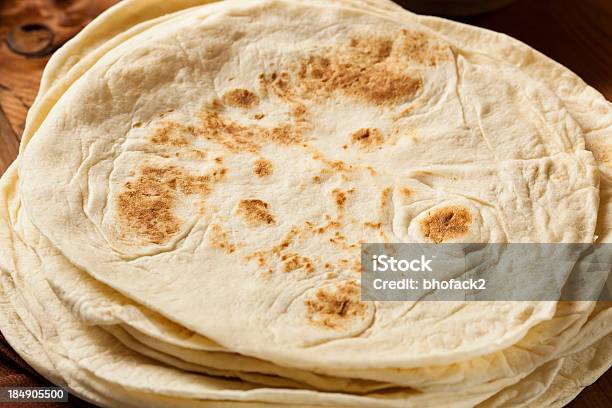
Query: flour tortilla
{"type": "Point", "coordinates": [584, 186]}
{"type": "Point", "coordinates": [98, 34]}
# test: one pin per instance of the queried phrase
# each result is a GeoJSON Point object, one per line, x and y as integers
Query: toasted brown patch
{"type": "Point", "coordinates": [333, 166]}
{"type": "Point", "coordinates": [339, 240]}
{"type": "Point", "coordinates": [232, 135]}
{"type": "Point", "coordinates": [293, 261]}
{"type": "Point", "coordinates": [367, 137]}
{"type": "Point", "coordinates": [422, 49]}
{"type": "Point", "coordinates": [340, 198]}
{"type": "Point", "coordinates": [262, 168]}
{"type": "Point", "coordinates": [259, 116]}
{"type": "Point", "coordinates": [145, 206]}
{"type": "Point", "coordinates": [220, 239]}
{"type": "Point", "coordinates": [299, 112]}
{"type": "Point", "coordinates": [365, 69]}
{"type": "Point", "coordinates": [237, 137]}
{"type": "Point", "coordinates": [373, 225]}
{"type": "Point", "coordinates": [334, 308]}
{"type": "Point", "coordinates": [255, 212]}
{"type": "Point", "coordinates": [446, 223]}
{"type": "Point", "coordinates": [406, 192]}
{"type": "Point", "coordinates": [385, 200]}
{"type": "Point", "coordinates": [377, 70]}
{"type": "Point", "coordinates": [172, 134]}
{"type": "Point", "coordinates": [286, 241]}
{"type": "Point", "coordinates": [240, 98]}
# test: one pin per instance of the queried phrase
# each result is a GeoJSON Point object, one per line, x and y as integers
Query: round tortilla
{"type": "Point", "coordinates": [223, 213]}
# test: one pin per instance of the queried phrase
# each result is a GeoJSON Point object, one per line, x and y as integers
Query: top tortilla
{"type": "Point", "coordinates": [243, 190]}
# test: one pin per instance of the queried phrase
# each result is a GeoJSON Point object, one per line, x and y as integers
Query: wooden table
{"type": "Point", "coordinates": [577, 33]}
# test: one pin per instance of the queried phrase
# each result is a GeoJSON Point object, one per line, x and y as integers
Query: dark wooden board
{"type": "Point", "coordinates": [577, 33]}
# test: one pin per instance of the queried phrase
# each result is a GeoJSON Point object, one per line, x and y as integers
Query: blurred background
{"type": "Point", "coordinates": [576, 33]}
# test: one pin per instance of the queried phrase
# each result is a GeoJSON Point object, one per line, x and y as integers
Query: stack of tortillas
{"type": "Point", "coordinates": [183, 225]}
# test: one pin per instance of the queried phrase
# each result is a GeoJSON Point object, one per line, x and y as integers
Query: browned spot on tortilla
{"type": "Point", "coordinates": [283, 134]}
{"type": "Point", "coordinates": [293, 261]}
{"type": "Point", "coordinates": [255, 212]}
{"type": "Point", "coordinates": [220, 239]}
{"type": "Point", "coordinates": [367, 137]}
{"type": "Point", "coordinates": [333, 166]}
{"type": "Point", "coordinates": [286, 241]}
{"type": "Point", "coordinates": [259, 256]}
{"type": "Point", "coordinates": [339, 198]}
{"type": "Point", "coordinates": [330, 224]}
{"type": "Point", "coordinates": [339, 165]}
{"type": "Point", "coordinates": [422, 49]}
{"type": "Point", "coordinates": [279, 250]}
{"type": "Point", "coordinates": [259, 116]}
{"type": "Point", "coordinates": [338, 239]}
{"type": "Point", "coordinates": [278, 83]}
{"type": "Point", "coordinates": [262, 168]}
{"type": "Point", "coordinates": [215, 104]}
{"type": "Point", "coordinates": [446, 223]}
{"type": "Point", "coordinates": [232, 135]}
{"type": "Point", "coordinates": [146, 205]}
{"type": "Point", "coordinates": [172, 134]}
{"type": "Point", "coordinates": [406, 191]}
{"type": "Point", "coordinates": [385, 200]}
{"type": "Point", "coordinates": [373, 225]}
{"type": "Point", "coordinates": [335, 308]}
{"type": "Point", "coordinates": [240, 98]}
{"type": "Point", "coordinates": [238, 137]}
{"type": "Point", "coordinates": [364, 69]}
{"type": "Point", "coordinates": [299, 112]}
{"type": "Point", "coordinates": [379, 70]}
{"type": "Point", "coordinates": [146, 208]}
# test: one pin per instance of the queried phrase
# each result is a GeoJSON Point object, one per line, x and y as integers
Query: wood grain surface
{"type": "Point", "coordinates": [576, 33]}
